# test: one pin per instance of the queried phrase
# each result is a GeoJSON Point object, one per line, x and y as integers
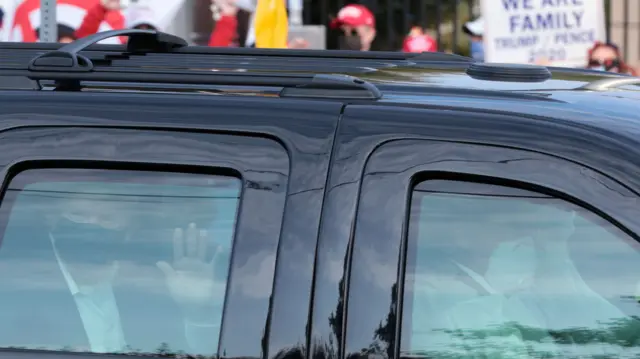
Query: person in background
{"type": "Point", "coordinates": [245, 17]}
{"type": "Point", "coordinates": [607, 57]}
{"type": "Point", "coordinates": [357, 25]}
{"type": "Point", "coordinates": [137, 17]}
{"type": "Point", "coordinates": [96, 15]}
{"type": "Point", "coordinates": [226, 23]}
{"type": "Point", "coordinates": [66, 34]}
{"type": "Point", "coordinates": [475, 30]}
{"type": "Point", "coordinates": [225, 32]}
{"type": "Point", "coordinates": [87, 242]}
{"type": "Point", "coordinates": [419, 41]}
{"type": "Point", "coordinates": [141, 17]}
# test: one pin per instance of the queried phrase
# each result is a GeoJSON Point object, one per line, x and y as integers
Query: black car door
{"type": "Point", "coordinates": [441, 238]}
{"type": "Point", "coordinates": [159, 224]}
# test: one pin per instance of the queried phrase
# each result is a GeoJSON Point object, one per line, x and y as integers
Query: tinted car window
{"type": "Point", "coordinates": [497, 272]}
{"type": "Point", "coordinates": [115, 261]}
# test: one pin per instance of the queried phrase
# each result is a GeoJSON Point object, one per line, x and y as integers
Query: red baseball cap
{"type": "Point", "coordinates": [354, 15]}
{"type": "Point", "coordinates": [419, 43]}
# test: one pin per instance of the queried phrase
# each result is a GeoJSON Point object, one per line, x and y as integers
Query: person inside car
{"type": "Point", "coordinates": [505, 278]}
{"type": "Point", "coordinates": [606, 56]}
{"type": "Point", "coordinates": [107, 298]}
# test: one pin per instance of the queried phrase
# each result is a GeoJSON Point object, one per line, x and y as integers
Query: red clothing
{"type": "Point", "coordinates": [418, 41]}
{"type": "Point", "coordinates": [224, 32]}
{"type": "Point", "coordinates": [95, 16]}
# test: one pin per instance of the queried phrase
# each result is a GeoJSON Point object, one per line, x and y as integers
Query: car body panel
{"type": "Point", "coordinates": [348, 165]}
{"type": "Point", "coordinates": [376, 278]}
{"type": "Point", "coordinates": [307, 143]}
{"type": "Point", "coordinates": [575, 140]}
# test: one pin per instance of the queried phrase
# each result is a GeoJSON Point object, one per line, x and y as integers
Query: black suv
{"type": "Point", "coordinates": [167, 200]}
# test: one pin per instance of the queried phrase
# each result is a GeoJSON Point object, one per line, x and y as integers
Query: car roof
{"type": "Point", "coordinates": [392, 78]}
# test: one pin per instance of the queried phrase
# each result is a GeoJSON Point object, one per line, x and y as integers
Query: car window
{"type": "Point", "coordinates": [115, 261]}
{"type": "Point", "coordinates": [497, 272]}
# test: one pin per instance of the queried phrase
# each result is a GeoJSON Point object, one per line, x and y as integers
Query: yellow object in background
{"type": "Point", "coordinates": [271, 24]}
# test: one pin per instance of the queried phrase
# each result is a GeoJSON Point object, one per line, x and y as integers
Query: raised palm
{"type": "Point", "coordinates": [191, 277]}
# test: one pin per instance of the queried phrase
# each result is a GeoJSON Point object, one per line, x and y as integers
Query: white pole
{"type": "Point", "coordinates": [295, 12]}
{"type": "Point", "coordinates": [48, 22]}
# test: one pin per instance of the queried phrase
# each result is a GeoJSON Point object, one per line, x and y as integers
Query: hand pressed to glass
{"type": "Point", "coordinates": [191, 276]}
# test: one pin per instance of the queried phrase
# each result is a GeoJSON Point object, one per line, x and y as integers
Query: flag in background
{"type": "Point", "coordinates": [271, 24]}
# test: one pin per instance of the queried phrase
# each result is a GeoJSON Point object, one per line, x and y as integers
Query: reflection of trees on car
{"type": "Point", "coordinates": [335, 322]}
{"type": "Point", "coordinates": [384, 335]}
{"type": "Point", "coordinates": [619, 336]}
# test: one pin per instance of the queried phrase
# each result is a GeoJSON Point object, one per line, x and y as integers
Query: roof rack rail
{"type": "Point", "coordinates": [150, 49]}
{"type": "Point", "coordinates": [439, 57]}
{"type": "Point", "coordinates": [244, 51]}
{"type": "Point", "coordinates": [610, 83]}
{"type": "Point", "coordinates": [294, 85]}
{"type": "Point", "coordinates": [327, 54]}
{"type": "Point", "coordinates": [340, 86]}
{"type": "Point", "coordinates": [68, 69]}
{"type": "Point", "coordinates": [67, 58]}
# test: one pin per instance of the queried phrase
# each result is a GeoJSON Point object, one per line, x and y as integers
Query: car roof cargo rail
{"type": "Point", "coordinates": [69, 70]}
{"type": "Point", "coordinates": [251, 52]}
{"type": "Point", "coordinates": [334, 86]}
{"type": "Point", "coordinates": [293, 85]}
{"type": "Point", "coordinates": [611, 83]}
{"type": "Point", "coordinates": [67, 57]}
{"type": "Point", "coordinates": [167, 51]}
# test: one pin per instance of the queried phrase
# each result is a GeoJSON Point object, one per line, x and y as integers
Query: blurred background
{"type": "Point", "coordinates": [395, 25]}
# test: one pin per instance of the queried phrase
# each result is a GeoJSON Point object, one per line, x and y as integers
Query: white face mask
{"type": "Point", "coordinates": [599, 68]}
{"type": "Point", "coordinates": [512, 266]}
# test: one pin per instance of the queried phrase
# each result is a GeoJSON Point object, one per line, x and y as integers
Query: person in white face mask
{"type": "Point", "coordinates": [608, 57]}
{"type": "Point", "coordinates": [504, 286]}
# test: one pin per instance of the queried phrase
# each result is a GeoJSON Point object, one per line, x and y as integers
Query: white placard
{"type": "Point", "coordinates": [553, 32]}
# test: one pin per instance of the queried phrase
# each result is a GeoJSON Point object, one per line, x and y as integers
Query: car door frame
{"type": "Point", "coordinates": [278, 146]}
{"type": "Point", "coordinates": [364, 222]}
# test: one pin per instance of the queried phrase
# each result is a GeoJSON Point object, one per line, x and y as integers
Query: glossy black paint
{"type": "Point", "coordinates": [379, 234]}
{"type": "Point", "coordinates": [570, 153]}
{"type": "Point", "coordinates": [265, 176]}
{"type": "Point", "coordinates": [582, 144]}
{"type": "Point", "coordinates": [284, 160]}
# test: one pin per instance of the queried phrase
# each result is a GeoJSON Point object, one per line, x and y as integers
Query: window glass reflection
{"type": "Point", "coordinates": [495, 272]}
{"type": "Point", "coordinates": [115, 262]}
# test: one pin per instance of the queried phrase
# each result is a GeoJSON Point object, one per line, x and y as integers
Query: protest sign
{"type": "Point", "coordinates": [313, 35]}
{"type": "Point", "coordinates": [553, 32]}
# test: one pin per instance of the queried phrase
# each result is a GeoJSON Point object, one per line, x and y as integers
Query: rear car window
{"type": "Point", "coordinates": [114, 261]}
